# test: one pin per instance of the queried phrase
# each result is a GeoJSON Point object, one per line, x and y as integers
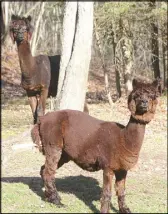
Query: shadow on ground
{"type": "Point", "coordinates": [85, 188]}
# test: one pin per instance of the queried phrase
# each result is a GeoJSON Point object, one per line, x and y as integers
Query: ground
{"type": "Point", "coordinates": [22, 187]}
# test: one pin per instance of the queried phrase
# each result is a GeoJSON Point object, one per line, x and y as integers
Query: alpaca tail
{"type": "Point", "coordinates": [35, 135]}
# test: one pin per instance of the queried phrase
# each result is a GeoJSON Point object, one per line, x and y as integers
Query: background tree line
{"type": "Point", "coordinates": [134, 39]}
{"type": "Point", "coordinates": [130, 38]}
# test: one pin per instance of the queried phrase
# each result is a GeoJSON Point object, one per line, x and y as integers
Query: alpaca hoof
{"type": "Point", "coordinates": [125, 210]}
{"type": "Point", "coordinates": [55, 201]}
{"type": "Point", "coordinates": [61, 205]}
{"type": "Point", "coordinates": [41, 170]}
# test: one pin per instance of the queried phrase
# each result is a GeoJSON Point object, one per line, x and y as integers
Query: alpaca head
{"type": "Point", "coordinates": [20, 28]}
{"type": "Point", "coordinates": [142, 101]}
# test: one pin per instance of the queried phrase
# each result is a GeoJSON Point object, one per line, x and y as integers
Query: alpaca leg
{"type": "Point", "coordinates": [39, 107]}
{"type": "Point", "coordinates": [44, 95]}
{"type": "Point", "coordinates": [33, 105]}
{"type": "Point", "coordinates": [47, 173]}
{"type": "Point", "coordinates": [106, 193]}
{"type": "Point", "coordinates": [42, 103]}
{"type": "Point", "coordinates": [85, 109]}
{"type": "Point", "coordinates": [120, 190]}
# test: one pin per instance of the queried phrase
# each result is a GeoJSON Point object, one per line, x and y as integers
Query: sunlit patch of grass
{"type": "Point", "coordinates": [13, 132]}
{"type": "Point", "coordinates": [15, 102]}
{"type": "Point", "coordinates": [25, 196]}
{"type": "Point", "coordinates": [15, 120]}
{"type": "Point", "coordinates": [24, 192]}
{"type": "Point", "coordinates": [147, 195]}
{"type": "Point", "coordinates": [16, 117]}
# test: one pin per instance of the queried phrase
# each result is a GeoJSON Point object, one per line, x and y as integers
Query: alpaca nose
{"type": "Point", "coordinates": [144, 103]}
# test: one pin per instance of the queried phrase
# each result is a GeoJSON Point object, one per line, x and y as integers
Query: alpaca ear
{"type": "Point", "coordinates": [29, 18]}
{"type": "Point", "coordinates": [29, 35]}
{"type": "Point", "coordinates": [13, 17]}
{"type": "Point", "coordinates": [30, 31]}
{"type": "Point", "coordinates": [12, 37]}
{"type": "Point", "coordinates": [158, 84]}
{"type": "Point", "coordinates": [135, 84]}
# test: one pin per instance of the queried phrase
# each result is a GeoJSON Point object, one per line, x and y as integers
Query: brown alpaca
{"type": "Point", "coordinates": [40, 73]}
{"type": "Point", "coordinates": [35, 70]}
{"type": "Point", "coordinates": [95, 144]}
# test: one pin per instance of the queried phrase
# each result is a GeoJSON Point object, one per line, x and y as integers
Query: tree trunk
{"type": "Point", "coordinates": [7, 43]}
{"type": "Point", "coordinates": [120, 57]}
{"type": "Point", "coordinates": [69, 24]}
{"type": "Point", "coordinates": [117, 72]}
{"type": "Point", "coordinates": [76, 55]}
{"type": "Point", "coordinates": [2, 26]}
{"type": "Point", "coordinates": [154, 44]}
{"type": "Point", "coordinates": [4, 20]}
{"type": "Point", "coordinates": [106, 79]}
{"type": "Point", "coordinates": [164, 65]}
{"type": "Point", "coordinates": [128, 49]}
{"type": "Point", "coordinates": [155, 51]}
{"type": "Point", "coordinates": [35, 34]}
{"type": "Point", "coordinates": [126, 58]}
{"type": "Point", "coordinates": [118, 85]}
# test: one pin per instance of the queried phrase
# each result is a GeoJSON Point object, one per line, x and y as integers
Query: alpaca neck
{"type": "Point", "coordinates": [134, 134]}
{"type": "Point", "coordinates": [25, 58]}
{"type": "Point", "coordinates": [131, 141]}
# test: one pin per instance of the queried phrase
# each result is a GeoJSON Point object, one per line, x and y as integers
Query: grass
{"type": "Point", "coordinates": [22, 187]}
{"type": "Point", "coordinates": [24, 195]}
{"type": "Point", "coordinates": [16, 118]}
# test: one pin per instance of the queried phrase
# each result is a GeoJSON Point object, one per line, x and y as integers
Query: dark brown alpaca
{"type": "Point", "coordinates": [39, 73]}
{"type": "Point", "coordinates": [95, 144]}
{"type": "Point", "coordinates": [35, 70]}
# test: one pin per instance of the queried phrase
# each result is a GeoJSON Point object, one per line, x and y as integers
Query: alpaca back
{"type": "Point", "coordinates": [90, 142]}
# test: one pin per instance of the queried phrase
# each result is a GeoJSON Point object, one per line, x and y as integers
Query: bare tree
{"type": "Point", "coordinates": [76, 54]}
{"type": "Point", "coordinates": [34, 41]}
{"type": "Point", "coordinates": [2, 26]}
{"type": "Point", "coordinates": [128, 58]}
{"type": "Point", "coordinates": [106, 73]}
{"type": "Point", "coordinates": [154, 43]}
{"type": "Point", "coordinates": [69, 24]}
{"type": "Point", "coordinates": [4, 20]}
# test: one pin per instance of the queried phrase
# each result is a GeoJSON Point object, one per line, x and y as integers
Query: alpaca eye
{"type": "Point", "coordinates": [153, 97]}
{"type": "Point", "coordinates": [135, 96]}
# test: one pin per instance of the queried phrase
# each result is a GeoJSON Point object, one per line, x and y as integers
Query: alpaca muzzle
{"type": "Point", "coordinates": [142, 107]}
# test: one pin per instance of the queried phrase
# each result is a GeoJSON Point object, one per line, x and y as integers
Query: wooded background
{"type": "Point", "coordinates": [130, 38]}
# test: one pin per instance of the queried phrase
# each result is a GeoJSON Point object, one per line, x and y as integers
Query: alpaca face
{"type": "Point", "coordinates": [20, 28]}
{"type": "Point", "coordinates": [142, 101]}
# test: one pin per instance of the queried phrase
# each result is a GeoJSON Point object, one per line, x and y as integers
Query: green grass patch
{"type": "Point", "coordinates": [80, 194]}
{"type": "Point", "coordinates": [16, 118]}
